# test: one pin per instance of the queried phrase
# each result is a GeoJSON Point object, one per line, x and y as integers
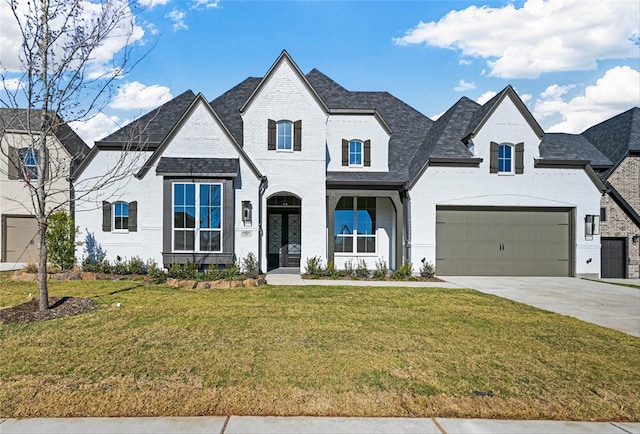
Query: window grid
{"type": "Point", "coordinates": [285, 136]}
{"type": "Point", "coordinates": [199, 231]}
{"type": "Point", "coordinates": [505, 159]}
{"type": "Point", "coordinates": [121, 216]}
{"type": "Point", "coordinates": [355, 225]}
{"type": "Point", "coordinates": [29, 159]}
{"type": "Point", "coordinates": [355, 153]}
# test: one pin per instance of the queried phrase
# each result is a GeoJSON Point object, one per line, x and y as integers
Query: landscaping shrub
{"type": "Point", "coordinates": [362, 270]}
{"type": "Point", "coordinates": [381, 270]}
{"type": "Point", "coordinates": [232, 272]}
{"type": "Point", "coordinates": [314, 266]}
{"type": "Point", "coordinates": [93, 251]}
{"type": "Point", "coordinates": [349, 269]}
{"type": "Point", "coordinates": [158, 274]}
{"type": "Point", "coordinates": [250, 266]}
{"type": "Point", "coordinates": [60, 239]}
{"type": "Point", "coordinates": [404, 272]}
{"type": "Point", "coordinates": [427, 269]}
{"type": "Point", "coordinates": [331, 270]}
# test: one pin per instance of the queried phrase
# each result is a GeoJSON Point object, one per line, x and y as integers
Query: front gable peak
{"type": "Point", "coordinates": [484, 113]}
{"type": "Point", "coordinates": [283, 59]}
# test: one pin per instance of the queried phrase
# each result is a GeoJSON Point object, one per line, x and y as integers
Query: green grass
{"type": "Point", "coordinates": [273, 350]}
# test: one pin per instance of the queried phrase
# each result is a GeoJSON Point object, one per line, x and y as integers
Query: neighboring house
{"type": "Point", "coordinates": [18, 162]}
{"type": "Point", "coordinates": [619, 139]}
{"type": "Point", "coordinates": [292, 166]}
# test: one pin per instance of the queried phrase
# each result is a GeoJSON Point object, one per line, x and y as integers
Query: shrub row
{"type": "Point", "coordinates": [359, 270]}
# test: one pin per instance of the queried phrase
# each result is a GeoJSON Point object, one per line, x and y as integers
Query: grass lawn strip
{"type": "Point", "coordinates": [348, 351]}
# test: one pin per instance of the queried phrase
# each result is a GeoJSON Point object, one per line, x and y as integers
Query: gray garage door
{"type": "Point", "coordinates": [503, 242]}
{"type": "Point", "coordinates": [20, 244]}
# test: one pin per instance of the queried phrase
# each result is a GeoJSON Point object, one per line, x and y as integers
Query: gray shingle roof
{"type": "Point", "coordinates": [562, 146]}
{"type": "Point", "coordinates": [22, 120]}
{"type": "Point", "coordinates": [617, 136]}
{"type": "Point", "coordinates": [227, 106]}
{"type": "Point", "coordinates": [152, 128]}
{"type": "Point", "coordinates": [223, 167]}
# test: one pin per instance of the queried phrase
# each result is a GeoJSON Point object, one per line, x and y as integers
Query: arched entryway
{"type": "Point", "coordinates": [283, 231]}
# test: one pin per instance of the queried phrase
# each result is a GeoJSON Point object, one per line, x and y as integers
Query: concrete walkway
{"type": "Point", "coordinates": [285, 425]}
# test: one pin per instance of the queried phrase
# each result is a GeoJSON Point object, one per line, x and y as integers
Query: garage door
{"type": "Point", "coordinates": [614, 258]}
{"type": "Point", "coordinates": [503, 242]}
{"type": "Point", "coordinates": [20, 244]}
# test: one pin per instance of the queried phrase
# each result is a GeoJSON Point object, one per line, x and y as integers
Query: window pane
{"type": "Point", "coordinates": [343, 244]}
{"type": "Point", "coordinates": [210, 241]}
{"type": "Point", "coordinates": [178, 194]}
{"type": "Point", "coordinates": [355, 153]}
{"type": "Point", "coordinates": [366, 217]}
{"type": "Point", "coordinates": [190, 216]}
{"type": "Point", "coordinates": [190, 194]}
{"type": "Point", "coordinates": [285, 130]}
{"type": "Point", "coordinates": [366, 244]}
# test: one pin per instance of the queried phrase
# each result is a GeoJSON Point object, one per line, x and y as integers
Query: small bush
{"type": "Point", "coordinates": [137, 266]}
{"type": "Point", "coordinates": [157, 274]}
{"type": "Point", "coordinates": [93, 251]}
{"type": "Point", "coordinates": [212, 273]}
{"type": "Point", "coordinates": [362, 270]}
{"type": "Point", "coordinates": [404, 272]}
{"type": "Point", "coordinates": [349, 269]}
{"type": "Point", "coordinates": [30, 268]}
{"type": "Point", "coordinates": [61, 240]}
{"type": "Point", "coordinates": [120, 267]}
{"type": "Point", "coordinates": [314, 266]}
{"type": "Point", "coordinates": [331, 270]}
{"type": "Point", "coordinates": [250, 266]}
{"type": "Point", "coordinates": [232, 272]}
{"type": "Point", "coordinates": [381, 270]}
{"type": "Point", "coordinates": [427, 269]}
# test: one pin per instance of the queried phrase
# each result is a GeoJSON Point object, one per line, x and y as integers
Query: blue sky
{"type": "Point", "coordinates": [574, 62]}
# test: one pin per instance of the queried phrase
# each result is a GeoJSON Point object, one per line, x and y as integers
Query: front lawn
{"type": "Point", "coordinates": [347, 351]}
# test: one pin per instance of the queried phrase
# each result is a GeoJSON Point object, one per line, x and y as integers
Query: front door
{"type": "Point", "coordinates": [613, 258]}
{"type": "Point", "coordinates": [283, 232]}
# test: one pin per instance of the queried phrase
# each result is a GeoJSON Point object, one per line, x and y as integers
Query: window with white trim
{"type": "Point", "coordinates": [505, 159]}
{"type": "Point", "coordinates": [197, 217]}
{"type": "Point", "coordinates": [285, 136]}
{"type": "Point", "coordinates": [355, 153]}
{"type": "Point", "coordinates": [355, 225]}
{"type": "Point", "coordinates": [121, 216]}
{"type": "Point", "coordinates": [29, 160]}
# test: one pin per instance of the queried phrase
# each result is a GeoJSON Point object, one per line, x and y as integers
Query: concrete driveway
{"type": "Point", "coordinates": [605, 304]}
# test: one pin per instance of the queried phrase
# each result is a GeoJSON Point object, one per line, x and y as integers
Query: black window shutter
{"type": "Point", "coordinates": [520, 158]}
{"type": "Point", "coordinates": [493, 158]}
{"type": "Point", "coordinates": [106, 216]}
{"type": "Point", "coordinates": [272, 135]}
{"type": "Point", "coordinates": [13, 163]}
{"type": "Point", "coordinates": [133, 216]}
{"type": "Point", "coordinates": [345, 152]}
{"type": "Point", "coordinates": [297, 136]}
{"type": "Point", "coordinates": [367, 152]}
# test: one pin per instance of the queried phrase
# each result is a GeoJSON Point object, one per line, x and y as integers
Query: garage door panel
{"type": "Point", "coordinates": [503, 242]}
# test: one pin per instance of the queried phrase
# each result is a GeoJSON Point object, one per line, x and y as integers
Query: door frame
{"type": "Point", "coordinates": [284, 204]}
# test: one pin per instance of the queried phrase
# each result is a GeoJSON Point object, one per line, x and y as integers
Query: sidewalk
{"type": "Point", "coordinates": [285, 425]}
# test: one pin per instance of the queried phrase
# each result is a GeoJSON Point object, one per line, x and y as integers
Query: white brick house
{"type": "Point", "coordinates": [292, 166]}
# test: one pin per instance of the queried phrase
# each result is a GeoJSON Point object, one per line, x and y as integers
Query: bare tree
{"type": "Point", "coordinates": [70, 54]}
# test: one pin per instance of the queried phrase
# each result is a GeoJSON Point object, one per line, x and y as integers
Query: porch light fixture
{"type": "Point", "coordinates": [246, 212]}
{"type": "Point", "coordinates": [591, 226]}
{"type": "Point", "coordinates": [635, 238]}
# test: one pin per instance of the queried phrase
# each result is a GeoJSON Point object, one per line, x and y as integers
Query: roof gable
{"type": "Point", "coordinates": [283, 58]}
{"type": "Point", "coordinates": [485, 112]}
{"type": "Point", "coordinates": [199, 99]}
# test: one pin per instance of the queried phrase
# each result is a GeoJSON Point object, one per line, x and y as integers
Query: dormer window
{"type": "Point", "coordinates": [506, 158]}
{"type": "Point", "coordinates": [356, 153]}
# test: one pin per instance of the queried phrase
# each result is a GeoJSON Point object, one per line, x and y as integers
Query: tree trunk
{"type": "Point", "coordinates": [43, 289]}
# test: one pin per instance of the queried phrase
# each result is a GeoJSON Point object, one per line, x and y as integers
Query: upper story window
{"type": "Point", "coordinates": [197, 217]}
{"type": "Point", "coordinates": [120, 216]}
{"type": "Point", "coordinates": [29, 161]}
{"type": "Point", "coordinates": [505, 163]}
{"type": "Point", "coordinates": [356, 153]}
{"type": "Point", "coordinates": [506, 158]}
{"type": "Point", "coordinates": [284, 135]}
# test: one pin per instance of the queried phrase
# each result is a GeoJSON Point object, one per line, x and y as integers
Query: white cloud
{"type": "Point", "coordinates": [177, 17]}
{"type": "Point", "coordinates": [136, 95]}
{"type": "Point", "coordinates": [96, 128]}
{"type": "Point", "coordinates": [464, 85]}
{"type": "Point", "coordinates": [616, 91]}
{"type": "Point", "coordinates": [486, 97]}
{"type": "Point", "coordinates": [152, 3]}
{"type": "Point", "coordinates": [207, 4]}
{"type": "Point", "coordinates": [542, 36]}
{"type": "Point", "coordinates": [124, 33]}
{"type": "Point", "coordinates": [12, 84]}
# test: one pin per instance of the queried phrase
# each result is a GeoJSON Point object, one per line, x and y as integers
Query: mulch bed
{"type": "Point", "coordinates": [58, 307]}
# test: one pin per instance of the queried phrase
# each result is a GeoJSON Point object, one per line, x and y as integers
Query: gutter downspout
{"type": "Point", "coordinates": [261, 189]}
{"type": "Point", "coordinates": [406, 202]}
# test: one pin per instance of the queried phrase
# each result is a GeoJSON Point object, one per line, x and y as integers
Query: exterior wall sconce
{"type": "Point", "coordinates": [635, 239]}
{"type": "Point", "coordinates": [591, 226]}
{"type": "Point", "coordinates": [246, 212]}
